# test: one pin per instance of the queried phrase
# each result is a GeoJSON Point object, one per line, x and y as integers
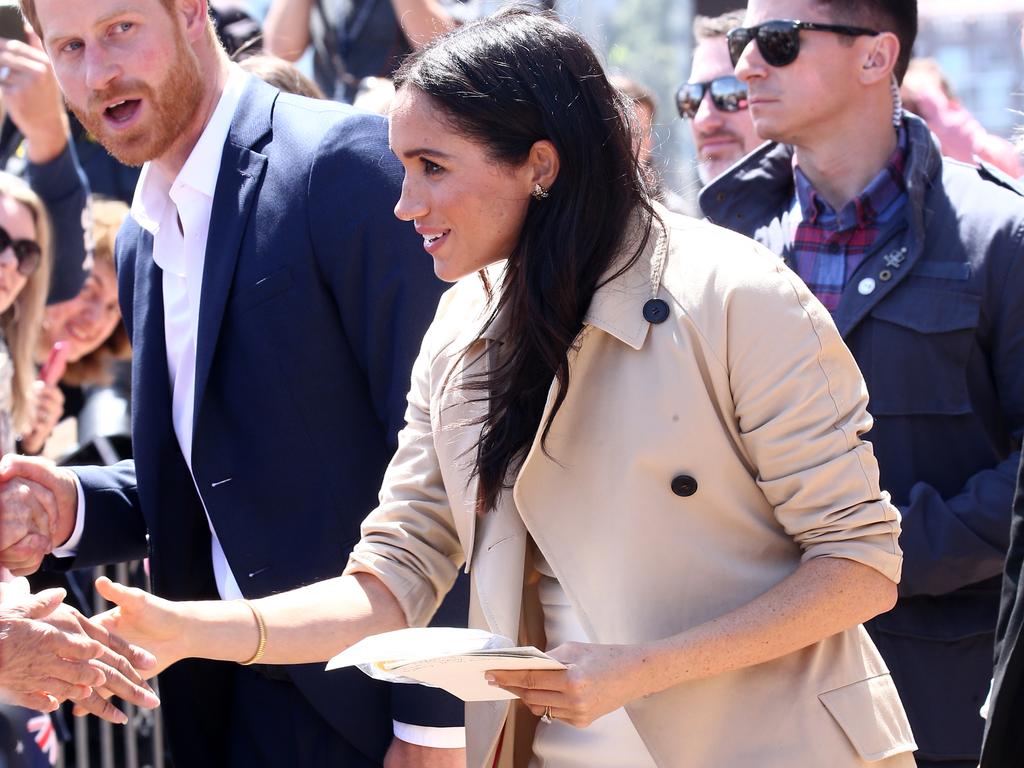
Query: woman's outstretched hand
{"type": "Point", "coordinates": [145, 620]}
{"type": "Point", "coordinates": [599, 680]}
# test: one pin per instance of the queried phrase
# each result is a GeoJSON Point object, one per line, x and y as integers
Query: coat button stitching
{"type": "Point", "coordinates": [656, 311]}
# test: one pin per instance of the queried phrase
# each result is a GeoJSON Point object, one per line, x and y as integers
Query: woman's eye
{"type": "Point", "coordinates": [431, 168]}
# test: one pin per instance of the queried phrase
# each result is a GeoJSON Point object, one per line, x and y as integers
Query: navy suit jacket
{"type": "Point", "coordinates": [314, 302]}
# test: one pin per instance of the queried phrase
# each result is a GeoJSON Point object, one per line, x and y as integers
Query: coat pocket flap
{"type": "Point", "coordinates": [929, 311]}
{"type": "Point", "coordinates": [871, 715]}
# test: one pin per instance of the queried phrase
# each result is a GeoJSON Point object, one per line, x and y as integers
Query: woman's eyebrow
{"type": "Point", "coordinates": [410, 153]}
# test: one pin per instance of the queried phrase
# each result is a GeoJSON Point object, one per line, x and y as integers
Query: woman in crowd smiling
{"type": "Point", "coordinates": [636, 428]}
{"type": "Point", "coordinates": [88, 328]}
{"type": "Point", "coordinates": [24, 282]}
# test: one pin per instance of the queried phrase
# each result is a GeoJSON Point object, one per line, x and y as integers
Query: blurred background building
{"type": "Point", "coordinates": [980, 54]}
{"type": "Point", "coordinates": [650, 41]}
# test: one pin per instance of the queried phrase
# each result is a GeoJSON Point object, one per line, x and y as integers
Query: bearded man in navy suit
{"type": "Point", "coordinates": [275, 307]}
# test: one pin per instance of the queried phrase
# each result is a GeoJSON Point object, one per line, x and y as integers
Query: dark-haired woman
{"type": "Point", "coordinates": [642, 435]}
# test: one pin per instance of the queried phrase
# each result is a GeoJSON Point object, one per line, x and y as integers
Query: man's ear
{"type": "Point", "coordinates": [543, 164]}
{"type": "Point", "coordinates": [879, 55]}
{"type": "Point", "coordinates": [195, 15]}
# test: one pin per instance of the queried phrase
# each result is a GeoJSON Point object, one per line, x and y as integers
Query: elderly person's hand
{"type": "Point", "coordinates": [32, 97]}
{"type": "Point", "coordinates": [27, 515]}
{"type": "Point", "coordinates": [49, 653]}
{"type": "Point", "coordinates": [38, 510]}
{"type": "Point", "coordinates": [124, 666]}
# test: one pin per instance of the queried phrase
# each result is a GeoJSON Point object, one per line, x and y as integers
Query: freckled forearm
{"type": "Point", "coordinates": [823, 597]}
{"type": "Point", "coordinates": [329, 617]}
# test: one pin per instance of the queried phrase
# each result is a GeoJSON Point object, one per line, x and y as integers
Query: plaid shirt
{"type": "Point", "coordinates": [828, 245]}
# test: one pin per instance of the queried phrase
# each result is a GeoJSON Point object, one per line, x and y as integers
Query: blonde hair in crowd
{"type": "Point", "coordinates": [94, 368]}
{"type": "Point", "coordinates": [20, 324]}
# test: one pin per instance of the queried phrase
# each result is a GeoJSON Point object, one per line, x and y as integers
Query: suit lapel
{"type": "Point", "coordinates": [151, 402]}
{"type": "Point", "coordinates": [238, 181]}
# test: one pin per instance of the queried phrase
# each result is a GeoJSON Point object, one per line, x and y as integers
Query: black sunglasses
{"type": "Point", "coordinates": [27, 252]}
{"type": "Point", "coordinates": [728, 93]}
{"type": "Point", "coordinates": [779, 41]}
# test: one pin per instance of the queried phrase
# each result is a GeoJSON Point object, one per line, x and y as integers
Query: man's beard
{"type": "Point", "coordinates": [173, 103]}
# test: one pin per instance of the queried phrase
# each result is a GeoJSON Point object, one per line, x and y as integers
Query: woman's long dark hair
{"type": "Point", "coordinates": [507, 82]}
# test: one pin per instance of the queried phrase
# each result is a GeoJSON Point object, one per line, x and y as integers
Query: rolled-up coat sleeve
{"type": "Point", "coordinates": [409, 541]}
{"type": "Point", "coordinates": [801, 406]}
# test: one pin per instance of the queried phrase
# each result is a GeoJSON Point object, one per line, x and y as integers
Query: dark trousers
{"type": "Point", "coordinates": [273, 725]}
{"type": "Point", "coordinates": [948, 764]}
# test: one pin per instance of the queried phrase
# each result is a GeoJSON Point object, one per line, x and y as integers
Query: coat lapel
{"type": "Point", "coordinates": [499, 537]}
{"type": "Point", "coordinates": [499, 533]}
{"type": "Point", "coordinates": [458, 417]}
{"type": "Point", "coordinates": [238, 181]}
{"type": "Point", "coordinates": [887, 267]}
{"type": "Point", "coordinates": [459, 413]}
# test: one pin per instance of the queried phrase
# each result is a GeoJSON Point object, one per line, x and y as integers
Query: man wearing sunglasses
{"type": "Point", "coordinates": [714, 101]}
{"type": "Point", "coordinates": [921, 262]}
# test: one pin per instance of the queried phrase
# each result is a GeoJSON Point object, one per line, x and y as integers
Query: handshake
{"type": "Point", "coordinates": [49, 652]}
{"type": "Point", "coordinates": [38, 510]}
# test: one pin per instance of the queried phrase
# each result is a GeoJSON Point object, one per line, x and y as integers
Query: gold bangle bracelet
{"type": "Point", "coordinates": [262, 626]}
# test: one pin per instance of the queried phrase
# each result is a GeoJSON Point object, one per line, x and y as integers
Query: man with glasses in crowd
{"type": "Point", "coordinates": [714, 100]}
{"type": "Point", "coordinates": [920, 261]}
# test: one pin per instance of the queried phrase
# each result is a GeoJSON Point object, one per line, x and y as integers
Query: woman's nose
{"type": "Point", "coordinates": [8, 261]}
{"type": "Point", "coordinates": [410, 205]}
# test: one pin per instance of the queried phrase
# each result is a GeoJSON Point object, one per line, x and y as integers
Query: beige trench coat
{"type": "Point", "coordinates": [748, 389]}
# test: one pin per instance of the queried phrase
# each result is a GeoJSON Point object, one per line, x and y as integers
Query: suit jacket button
{"type": "Point", "coordinates": [684, 485]}
{"type": "Point", "coordinates": [656, 311]}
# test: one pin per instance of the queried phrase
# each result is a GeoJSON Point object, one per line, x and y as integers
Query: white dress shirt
{"type": "Point", "coordinates": [176, 212]}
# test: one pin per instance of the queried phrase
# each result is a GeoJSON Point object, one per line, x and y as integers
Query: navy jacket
{"type": "Point", "coordinates": [314, 302]}
{"type": "Point", "coordinates": [1004, 736]}
{"type": "Point", "coordinates": [62, 187]}
{"type": "Point", "coordinates": [940, 341]}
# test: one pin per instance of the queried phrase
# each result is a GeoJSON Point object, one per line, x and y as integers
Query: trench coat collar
{"type": "Point", "coordinates": [617, 305]}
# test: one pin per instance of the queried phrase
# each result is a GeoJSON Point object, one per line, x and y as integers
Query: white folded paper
{"type": "Point", "coordinates": [443, 657]}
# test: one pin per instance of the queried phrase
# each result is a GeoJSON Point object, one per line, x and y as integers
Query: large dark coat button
{"type": "Point", "coordinates": [684, 485]}
{"type": "Point", "coordinates": [656, 311]}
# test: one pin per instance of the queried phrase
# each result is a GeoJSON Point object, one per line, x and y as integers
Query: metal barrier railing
{"type": "Point", "coordinates": [104, 438]}
{"type": "Point", "coordinates": [137, 744]}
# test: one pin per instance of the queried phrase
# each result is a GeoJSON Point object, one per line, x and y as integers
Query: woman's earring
{"type": "Point", "coordinates": [539, 193]}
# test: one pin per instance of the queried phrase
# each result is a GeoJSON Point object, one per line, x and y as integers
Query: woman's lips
{"type": "Point", "coordinates": [433, 241]}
